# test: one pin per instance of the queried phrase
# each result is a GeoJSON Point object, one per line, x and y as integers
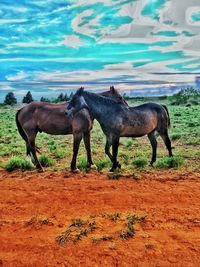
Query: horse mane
{"type": "Point", "coordinates": [101, 98]}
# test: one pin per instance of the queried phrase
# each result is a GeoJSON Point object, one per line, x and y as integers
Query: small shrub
{"type": "Point", "coordinates": [132, 219]}
{"type": "Point", "coordinates": [176, 136]}
{"type": "Point", "coordinates": [140, 163]}
{"type": "Point", "coordinates": [169, 162]}
{"type": "Point", "coordinates": [189, 96]}
{"type": "Point", "coordinates": [52, 147]}
{"type": "Point", "coordinates": [78, 222]}
{"type": "Point", "coordinates": [192, 141]}
{"type": "Point", "coordinates": [103, 164]}
{"type": "Point", "coordinates": [15, 163]}
{"type": "Point", "coordinates": [46, 161]}
{"type": "Point", "coordinates": [82, 164]}
{"type": "Point", "coordinates": [129, 143]}
{"type": "Point", "coordinates": [125, 157]}
{"type": "Point", "coordinates": [5, 152]}
{"type": "Point", "coordinates": [51, 142]}
{"type": "Point", "coordinates": [112, 216]}
{"type": "Point", "coordinates": [192, 124]}
{"type": "Point", "coordinates": [60, 153]}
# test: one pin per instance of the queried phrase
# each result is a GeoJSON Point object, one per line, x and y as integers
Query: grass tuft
{"type": "Point", "coordinates": [101, 164]}
{"type": "Point", "coordinates": [17, 163]}
{"type": "Point", "coordinates": [140, 163]}
{"type": "Point", "coordinates": [169, 162]}
{"type": "Point", "coordinates": [82, 164]}
{"type": "Point", "coordinates": [46, 161]}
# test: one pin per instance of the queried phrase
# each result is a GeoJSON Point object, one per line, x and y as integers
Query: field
{"type": "Point", "coordinates": [140, 216]}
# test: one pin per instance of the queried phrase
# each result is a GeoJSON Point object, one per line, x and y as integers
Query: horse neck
{"type": "Point", "coordinates": [98, 105]}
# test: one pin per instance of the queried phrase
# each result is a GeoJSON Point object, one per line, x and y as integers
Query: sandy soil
{"type": "Point", "coordinates": [37, 208]}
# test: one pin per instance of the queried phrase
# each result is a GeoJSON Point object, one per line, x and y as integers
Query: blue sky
{"type": "Point", "coordinates": [48, 46]}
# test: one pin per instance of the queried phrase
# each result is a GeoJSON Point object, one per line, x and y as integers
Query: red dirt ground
{"type": "Point", "coordinates": [35, 208]}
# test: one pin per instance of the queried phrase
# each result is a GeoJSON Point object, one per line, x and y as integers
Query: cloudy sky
{"type": "Point", "coordinates": [47, 46]}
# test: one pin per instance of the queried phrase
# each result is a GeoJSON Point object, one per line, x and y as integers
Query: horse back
{"type": "Point", "coordinates": [51, 119]}
{"type": "Point", "coordinates": [143, 119]}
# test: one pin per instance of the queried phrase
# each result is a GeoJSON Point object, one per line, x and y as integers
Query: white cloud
{"type": "Point", "coordinates": [12, 20]}
{"type": "Point", "coordinates": [86, 28]}
{"type": "Point", "coordinates": [72, 40]}
{"type": "Point", "coordinates": [6, 86]}
{"type": "Point", "coordinates": [18, 77]}
{"type": "Point", "coordinates": [114, 71]}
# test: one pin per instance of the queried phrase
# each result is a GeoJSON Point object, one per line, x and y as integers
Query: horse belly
{"type": "Point", "coordinates": [56, 127]}
{"type": "Point", "coordinates": [130, 131]}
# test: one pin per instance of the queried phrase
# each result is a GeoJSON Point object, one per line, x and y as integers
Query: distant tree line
{"type": "Point", "coordinates": [10, 98]}
{"type": "Point", "coordinates": [61, 98]}
{"type": "Point", "coordinates": [188, 96]}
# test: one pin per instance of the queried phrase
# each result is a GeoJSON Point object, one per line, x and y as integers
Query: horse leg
{"type": "Point", "coordinates": [31, 140]}
{"type": "Point", "coordinates": [86, 138]}
{"type": "Point", "coordinates": [107, 148]}
{"type": "Point", "coordinates": [167, 142]}
{"type": "Point", "coordinates": [153, 142]}
{"type": "Point", "coordinates": [28, 153]}
{"type": "Point", "coordinates": [76, 143]}
{"type": "Point", "coordinates": [115, 146]}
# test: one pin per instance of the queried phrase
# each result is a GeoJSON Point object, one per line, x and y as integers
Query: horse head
{"type": "Point", "coordinates": [76, 103]}
{"type": "Point", "coordinates": [114, 94]}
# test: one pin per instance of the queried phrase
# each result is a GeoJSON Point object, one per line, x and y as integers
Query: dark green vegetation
{"type": "Point", "coordinates": [188, 97]}
{"type": "Point", "coordinates": [28, 98]}
{"type": "Point", "coordinates": [16, 162]}
{"type": "Point", "coordinates": [10, 99]}
{"type": "Point", "coordinates": [121, 226]}
{"type": "Point", "coordinates": [134, 154]}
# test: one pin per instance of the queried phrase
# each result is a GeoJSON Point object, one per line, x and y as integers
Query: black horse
{"type": "Point", "coordinates": [119, 120]}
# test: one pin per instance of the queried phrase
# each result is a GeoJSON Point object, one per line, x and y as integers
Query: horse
{"type": "Point", "coordinates": [119, 120]}
{"type": "Point", "coordinates": [51, 119]}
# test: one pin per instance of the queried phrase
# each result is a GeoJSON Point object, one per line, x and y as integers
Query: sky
{"type": "Point", "coordinates": [142, 46]}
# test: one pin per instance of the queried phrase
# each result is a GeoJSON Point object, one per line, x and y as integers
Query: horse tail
{"type": "Point", "coordinates": [166, 109]}
{"type": "Point", "coordinates": [19, 127]}
{"type": "Point", "coordinates": [22, 132]}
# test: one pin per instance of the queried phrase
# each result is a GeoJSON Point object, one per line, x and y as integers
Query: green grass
{"type": "Point", "coordinates": [104, 163]}
{"type": "Point", "coordinates": [132, 219]}
{"type": "Point", "coordinates": [140, 163]}
{"type": "Point", "coordinates": [17, 163]}
{"type": "Point", "coordinates": [95, 228]}
{"type": "Point", "coordinates": [82, 163]}
{"type": "Point", "coordinates": [133, 153]}
{"type": "Point", "coordinates": [60, 153]}
{"type": "Point", "coordinates": [169, 162]}
{"type": "Point", "coordinates": [175, 136]}
{"type": "Point", "coordinates": [46, 161]}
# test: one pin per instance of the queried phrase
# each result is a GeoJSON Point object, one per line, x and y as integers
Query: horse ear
{"type": "Point", "coordinates": [80, 90]}
{"type": "Point", "coordinates": [112, 89]}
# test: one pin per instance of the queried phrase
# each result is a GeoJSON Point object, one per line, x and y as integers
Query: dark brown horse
{"type": "Point", "coordinates": [119, 120]}
{"type": "Point", "coordinates": [50, 118]}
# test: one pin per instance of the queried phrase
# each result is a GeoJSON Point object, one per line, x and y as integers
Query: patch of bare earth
{"type": "Point", "coordinates": [38, 208]}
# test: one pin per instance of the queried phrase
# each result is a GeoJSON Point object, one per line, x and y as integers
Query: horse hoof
{"type": "Point", "coordinates": [119, 165]}
{"type": "Point", "coordinates": [75, 170]}
{"type": "Point", "coordinates": [40, 170]}
{"type": "Point", "coordinates": [93, 167]}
